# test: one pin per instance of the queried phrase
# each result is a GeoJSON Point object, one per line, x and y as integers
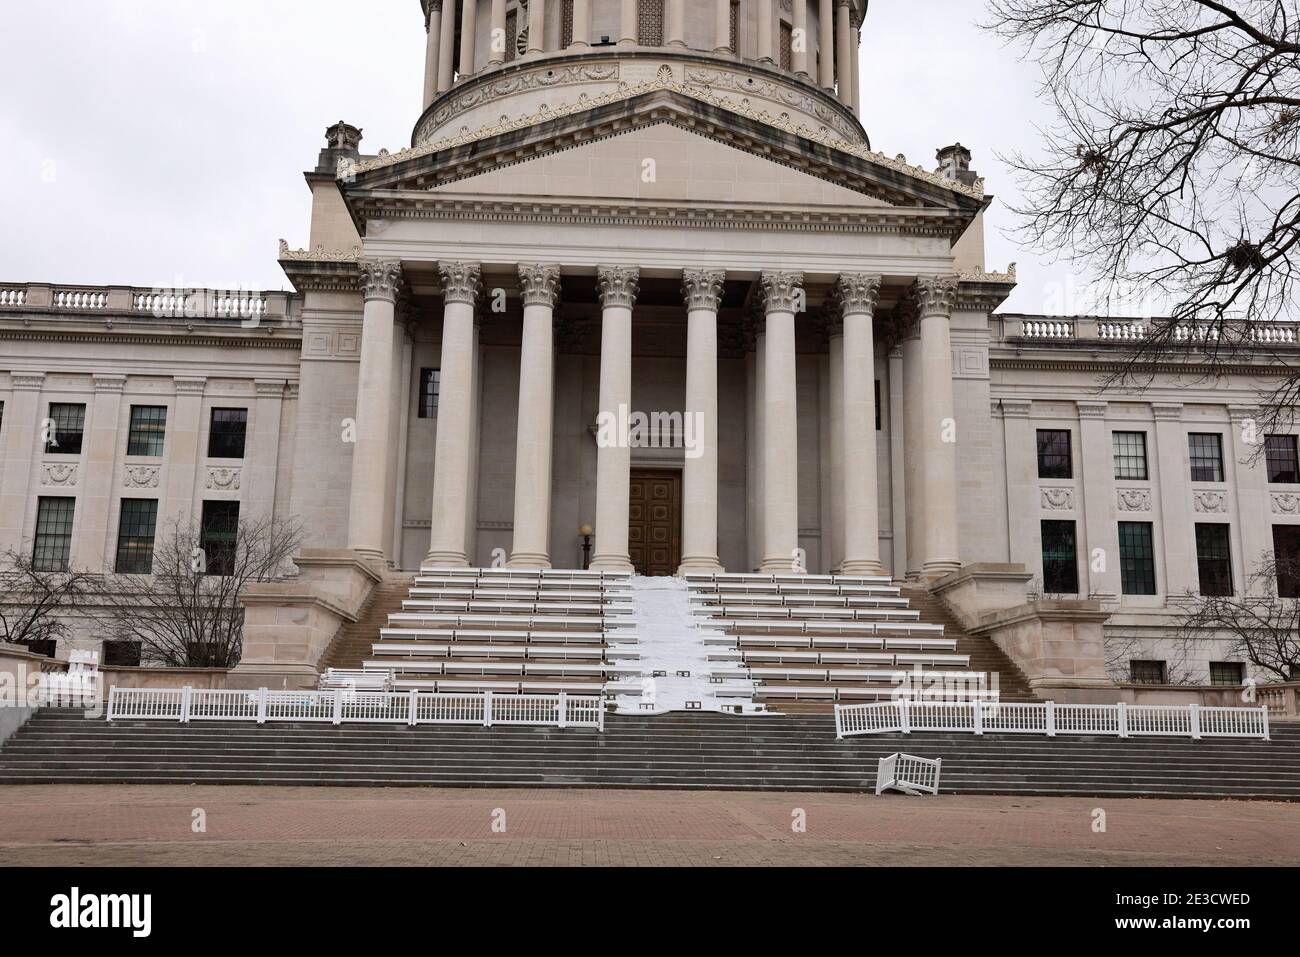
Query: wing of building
{"type": "Point", "coordinates": [641, 287]}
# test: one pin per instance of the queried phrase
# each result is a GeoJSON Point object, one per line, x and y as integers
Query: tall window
{"type": "Point", "coordinates": [1054, 460]}
{"type": "Point", "coordinates": [1227, 673]}
{"type": "Point", "coordinates": [512, 35]}
{"type": "Point", "coordinates": [1280, 451]}
{"type": "Point", "coordinates": [1060, 559]}
{"type": "Point", "coordinates": [148, 430]}
{"type": "Point", "coordinates": [1286, 551]}
{"type": "Point", "coordinates": [566, 24]}
{"type": "Point", "coordinates": [735, 26]}
{"type": "Point", "coordinates": [135, 534]}
{"type": "Point", "coordinates": [1147, 672]}
{"type": "Point", "coordinates": [53, 534]}
{"type": "Point", "coordinates": [430, 385]}
{"type": "Point", "coordinates": [1137, 560]}
{"type": "Point", "coordinates": [650, 23]}
{"type": "Point", "coordinates": [228, 433]}
{"type": "Point", "coordinates": [1205, 450]}
{"type": "Point", "coordinates": [1130, 455]}
{"type": "Point", "coordinates": [67, 425]}
{"type": "Point", "coordinates": [1213, 559]}
{"type": "Point", "coordinates": [219, 533]}
{"type": "Point", "coordinates": [787, 46]}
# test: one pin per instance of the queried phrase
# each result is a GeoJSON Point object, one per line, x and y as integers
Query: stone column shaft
{"type": "Point", "coordinates": [703, 293]}
{"type": "Point", "coordinates": [99, 465]}
{"type": "Point", "coordinates": [368, 509]}
{"type": "Point", "coordinates": [537, 26]}
{"type": "Point", "coordinates": [835, 375]}
{"type": "Point", "coordinates": [898, 487]}
{"type": "Point", "coordinates": [1172, 467]}
{"type": "Point", "coordinates": [843, 64]}
{"type": "Point", "coordinates": [800, 42]}
{"type": "Point", "coordinates": [447, 47]}
{"type": "Point", "coordinates": [184, 428]}
{"type": "Point", "coordinates": [618, 291]}
{"type": "Point", "coordinates": [433, 45]}
{"type": "Point", "coordinates": [533, 455]}
{"type": "Point", "coordinates": [468, 30]}
{"type": "Point", "coordinates": [783, 294]}
{"type": "Point", "coordinates": [858, 294]}
{"type": "Point", "coordinates": [498, 40]}
{"type": "Point", "coordinates": [628, 26]}
{"type": "Point", "coordinates": [855, 59]}
{"type": "Point", "coordinates": [826, 44]}
{"type": "Point", "coordinates": [675, 23]}
{"type": "Point", "coordinates": [1254, 507]}
{"type": "Point", "coordinates": [453, 450]}
{"type": "Point", "coordinates": [938, 426]}
{"type": "Point", "coordinates": [1100, 521]}
{"type": "Point", "coordinates": [23, 416]}
{"type": "Point", "coordinates": [722, 39]}
{"type": "Point", "coordinates": [264, 469]}
{"type": "Point", "coordinates": [913, 456]}
{"type": "Point", "coordinates": [581, 24]}
{"type": "Point", "coordinates": [766, 25]}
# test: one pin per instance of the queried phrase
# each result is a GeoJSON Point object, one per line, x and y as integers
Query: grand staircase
{"type": "Point", "coordinates": [680, 750]}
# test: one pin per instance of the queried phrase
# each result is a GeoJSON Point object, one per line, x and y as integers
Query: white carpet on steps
{"type": "Point", "coordinates": [669, 639]}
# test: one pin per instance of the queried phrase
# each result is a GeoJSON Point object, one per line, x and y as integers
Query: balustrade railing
{"type": "Point", "coordinates": [232, 304]}
{"type": "Point", "coordinates": [1066, 329]}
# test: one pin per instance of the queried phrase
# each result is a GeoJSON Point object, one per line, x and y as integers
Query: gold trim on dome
{"type": "Point", "coordinates": [694, 91]}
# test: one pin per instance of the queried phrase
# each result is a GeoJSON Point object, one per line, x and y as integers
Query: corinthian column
{"type": "Point", "coordinates": [619, 286]}
{"type": "Point", "coordinates": [826, 44]}
{"type": "Point", "coordinates": [857, 295]}
{"type": "Point", "coordinates": [935, 298]}
{"type": "Point", "coordinates": [497, 41]}
{"type": "Point", "coordinates": [581, 24]}
{"type": "Point", "coordinates": [366, 528]}
{"type": "Point", "coordinates": [447, 47]}
{"type": "Point", "coordinates": [766, 24]}
{"type": "Point", "coordinates": [800, 44]}
{"type": "Point", "coordinates": [627, 24]}
{"type": "Point", "coordinates": [782, 299]}
{"type": "Point", "coordinates": [468, 31]}
{"type": "Point", "coordinates": [433, 43]}
{"type": "Point", "coordinates": [461, 287]}
{"type": "Point", "coordinates": [541, 288]}
{"type": "Point", "coordinates": [536, 26]}
{"type": "Point", "coordinates": [702, 290]}
{"type": "Point", "coordinates": [843, 64]}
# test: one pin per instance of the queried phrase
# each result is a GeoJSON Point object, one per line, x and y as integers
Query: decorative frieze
{"type": "Point", "coordinates": [1057, 499]}
{"type": "Point", "coordinates": [461, 281]}
{"type": "Point", "coordinates": [1212, 502]}
{"type": "Point", "coordinates": [702, 288]}
{"type": "Point", "coordinates": [782, 291]}
{"type": "Point", "coordinates": [619, 285]}
{"type": "Point", "coordinates": [59, 475]}
{"type": "Point", "coordinates": [540, 284]}
{"type": "Point", "coordinates": [1286, 503]}
{"type": "Point", "coordinates": [140, 476]}
{"type": "Point", "coordinates": [224, 479]}
{"type": "Point", "coordinates": [1133, 499]}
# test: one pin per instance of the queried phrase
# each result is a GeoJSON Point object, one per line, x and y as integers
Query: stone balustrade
{"type": "Point", "coordinates": [245, 307]}
{"type": "Point", "coordinates": [1085, 328]}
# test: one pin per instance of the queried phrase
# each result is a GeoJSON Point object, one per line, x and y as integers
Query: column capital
{"type": "Point", "coordinates": [1091, 408]}
{"type": "Point", "coordinates": [936, 295]}
{"type": "Point", "coordinates": [782, 291]}
{"type": "Point", "coordinates": [461, 281]}
{"type": "Point", "coordinates": [857, 293]}
{"type": "Point", "coordinates": [430, 8]}
{"type": "Point", "coordinates": [1167, 411]}
{"type": "Point", "coordinates": [28, 381]}
{"type": "Point", "coordinates": [1242, 413]}
{"type": "Point", "coordinates": [109, 383]}
{"type": "Point", "coordinates": [381, 279]}
{"type": "Point", "coordinates": [269, 388]}
{"type": "Point", "coordinates": [702, 288]}
{"type": "Point", "coordinates": [1016, 408]}
{"type": "Point", "coordinates": [540, 284]}
{"type": "Point", "coordinates": [190, 385]}
{"type": "Point", "coordinates": [618, 285]}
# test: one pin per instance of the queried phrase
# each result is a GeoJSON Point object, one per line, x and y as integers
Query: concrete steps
{"type": "Point", "coordinates": [709, 751]}
{"type": "Point", "coordinates": [353, 643]}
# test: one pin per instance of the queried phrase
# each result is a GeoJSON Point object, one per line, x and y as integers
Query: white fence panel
{"type": "Point", "coordinates": [1103, 719]}
{"type": "Point", "coordinates": [1013, 718]}
{"type": "Point", "coordinates": [909, 774]}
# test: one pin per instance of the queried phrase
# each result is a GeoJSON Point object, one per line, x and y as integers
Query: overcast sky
{"type": "Point", "coordinates": [162, 142]}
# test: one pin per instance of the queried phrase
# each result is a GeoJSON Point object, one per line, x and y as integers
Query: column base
{"type": "Point", "coordinates": [779, 566]}
{"type": "Point", "coordinates": [611, 563]}
{"type": "Point", "coordinates": [529, 560]}
{"type": "Point", "coordinates": [439, 559]}
{"type": "Point", "coordinates": [374, 556]}
{"type": "Point", "coordinates": [866, 568]}
{"type": "Point", "coordinates": [699, 564]}
{"type": "Point", "coordinates": [939, 569]}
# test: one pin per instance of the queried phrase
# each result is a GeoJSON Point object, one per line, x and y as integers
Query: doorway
{"type": "Point", "coordinates": [655, 526]}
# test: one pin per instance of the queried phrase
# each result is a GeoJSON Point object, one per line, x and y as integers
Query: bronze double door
{"type": "Point", "coordinates": [655, 522]}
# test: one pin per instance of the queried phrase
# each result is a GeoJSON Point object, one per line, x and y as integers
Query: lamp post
{"type": "Point", "coordinates": [586, 531]}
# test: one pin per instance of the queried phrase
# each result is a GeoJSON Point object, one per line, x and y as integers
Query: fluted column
{"type": "Point", "coordinates": [722, 39]}
{"type": "Point", "coordinates": [461, 288]}
{"type": "Point", "coordinates": [468, 29]}
{"type": "Point", "coordinates": [366, 531]}
{"type": "Point", "coordinates": [800, 42]}
{"type": "Point", "coordinates": [498, 40]}
{"type": "Point", "coordinates": [826, 44]}
{"type": "Point", "coordinates": [766, 24]}
{"type": "Point", "coordinates": [540, 285]}
{"type": "Point", "coordinates": [619, 286]}
{"type": "Point", "coordinates": [782, 298]}
{"type": "Point", "coordinates": [935, 297]}
{"type": "Point", "coordinates": [447, 46]}
{"type": "Point", "coordinates": [537, 26]}
{"type": "Point", "coordinates": [627, 24]}
{"type": "Point", "coordinates": [581, 24]}
{"type": "Point", "coordinates": [843, 66]}
{"type": "Point", "coordinates": [432, 46]}
{"type": "Point", "coordinates": [702, 290]}
{"type": "Point", "coordinates": [857, 295]}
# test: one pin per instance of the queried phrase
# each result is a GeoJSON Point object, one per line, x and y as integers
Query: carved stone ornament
{"type": "Point", "coordinates": [702, 288]}
{"type": "Point", "coordinates": [1057, 499]}
{"type": "Point", "coordinates": [857, 293]}
{"type": "Point", "coordinates": [782, 291]}
{"type": "Point", "coordinates": [1286, 503]}
{"type": "Point", "coordinates": [381, 278]}
{"type": "Point", "coordinates": [619, 285]}
{"type": "Point", "coordinates": [461, 281]}
{"type": "Point", "coordinates": [61, 475]}
{"type": "Point", "coordinates": [224, 480]}
{"type": "Point", "coordinates": [140, 476]}
{"type": "Point", "coordinates": [936, 295]}
{"type": "Point", "coordinates": [1212, 502]}
{"type": "Point", "coordinates": [1133, 499]}
{"type": "Point", "coordinates": [540, 284]}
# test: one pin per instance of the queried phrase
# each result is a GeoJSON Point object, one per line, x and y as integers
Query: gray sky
{"type": "Point", "coordinates": [162, 142]}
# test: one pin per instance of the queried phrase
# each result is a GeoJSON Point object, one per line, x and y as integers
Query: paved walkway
{"type": "Point", "coordinates": [122, 825]}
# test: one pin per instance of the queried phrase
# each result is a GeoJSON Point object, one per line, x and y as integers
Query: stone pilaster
{"type": "Point", "coordinates": [184, 454]}
{"type": "Point", "coordinates": [1100, 520]}
{"type": "Point", "coordinates": [1254, 511]}
{"type": "Point", "coordinates": [1170, 458]}
{"type": "Point", "coordinates": [22, 424]}
{"type": "Point", "coordinates": [91, 547]}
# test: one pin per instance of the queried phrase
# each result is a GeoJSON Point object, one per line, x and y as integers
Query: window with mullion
{"type": "Point", "coordinates": [1286, 553]}
{"type": "Point", "coordinates": [135, 535]}
{"type": "Point", "coordinates": [1130, 455]}
{"type": "Point", "coordinates": [1227, 673]}
{"type": "Point", "coordinates": [1060, 558]}
{"type": "Point", "coordinates": [1137, 560]}
{"type": "Point", "coordinates": [1054, 460]}
{"type": "Point", "coordinates": [67, 425]}
{"type": "Point", "coordinates": [148, 430]}
{"type": "Point", "coordinates": [53, 546]}
{"type": "Point", "coordinates": [1205, 451]}
{"type": "Point", "coordinates": [219, 530]}
{"type": "Point", "coordinates": [1213, 559]}
{"type": "Point", "coordinates": [228, 433]}
{"type": "Point", "coordinates": [1147, 672]}
{"type": "Point", "coordinates": [1280, 453]}
{"type": "Point", "coordinates": [430, 387]}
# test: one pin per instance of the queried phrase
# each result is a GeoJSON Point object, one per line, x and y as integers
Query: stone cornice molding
{"type": "Point", "coordinates": [702, 289]}
{"type": "Point", "coordinates": [539, 284]}
{"type": "Point", "coordinates": [1238, 414]}
{"type": "Point", "coordinates": [1016, 408]}
{"type": "Point", "coordinates": [1091, 408]}
{"type": "Point", "coordinates": [183, 337]}
{"type": "Point", "coordinates": [782, 291]}
{"type": "Point", "coordinates": [462, 282]}
{"type": "Point", "coordinates": [27, 381]}
{"type": "Point", "coordinates": [1002, 357]}
{"type": "Point", "coordinates": [109, 383]}
{"type": "Point", "coordinates": [618, 286]}
{"type": "Point", "coordinates": [190, 385]}
{"type": "Point", "coordinates": [857, 293]}
{"type": "Point", "coordinates": [269, 388]}
{"type": "Point", "coordinates": [1167, 411]}
{"type": "Point", "coordinates": [381, 279]}
{"type": "Point", "coordinates": [936, 295]}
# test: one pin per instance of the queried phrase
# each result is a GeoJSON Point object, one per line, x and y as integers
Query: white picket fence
{"type": "Point", "coordinates": [990, 717]}
{"type": "Point", "coordinates": [909, 774]}
{"type": "Point", "coordinates": [344, 706]}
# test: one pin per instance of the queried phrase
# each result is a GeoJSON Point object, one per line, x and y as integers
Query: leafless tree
{"type": "Point", "coordinates": [1264, 628]}
{"type": "Point", "coordinates": [187, 614]}
{"type": "Point", "coordinates": [32, 600]}
{"type": "Point", "coordinates": [1173, 170]}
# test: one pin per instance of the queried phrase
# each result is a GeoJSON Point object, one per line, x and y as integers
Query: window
{"type": "Point", "coordinates": [1054, 454]}
{"type": "Point", "coordinates": [1280, 451]}
{"type": "Point", "coordinates": [1213, 559]}
{"type": "Point", "coordinates": [1286, 552]}
{"type": "Point", "coordinates": [566, 24]}
{"type": "Point", "coordinates": [53, 534]}
{"type": "Point", "coordinates": [135, 532]}
{"type": "Point", "coordinates": [1130, 455]}
{"type": "Point", "coordinates": [66, 425]}
{"type": "Point", "coordinates": [226, 437]}
{"type": "Point", "coordinates": [787, 46]}
{"type": "Point", "coordinates": [878, 405]}
{"type": "Point", "coordinates": [1060, 559]}
{"type": "Point", "coordinates": [1205, 449]}
{"type": "Point", "coordinates": [512, 36]}
{"type": "Point", "coordinates": [1227, 673]}
{"type": "Point", "coordinates": [650, 23]}
{"type": "Point", "coordinates": [1147, 672]}
{"type": "Point", "coordinates": [148, 429]}
{"type": "Point", "coordinates": [121, 654]}
{"type": "Point", "coordinates": [219, 531]}
{"type": "Point", "coordinates": [430, 386]}
{"type": "Point", "coordinates": [735, 26]}
{"type": "Point", "coordinates": [1137, 562]}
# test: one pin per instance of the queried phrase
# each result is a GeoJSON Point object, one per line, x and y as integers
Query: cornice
{"type": "Point", "coordinates": [1074, 364]}
{"type": "Point", "coordinates": [279, 340]}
